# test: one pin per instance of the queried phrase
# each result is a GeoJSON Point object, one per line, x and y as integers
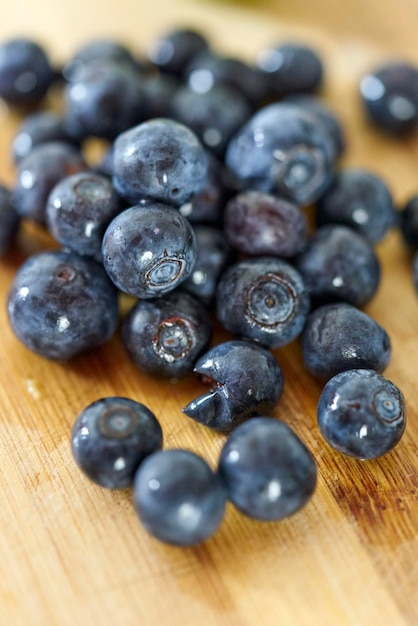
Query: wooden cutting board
{"type": "Point", "coordinates": [72, 553]}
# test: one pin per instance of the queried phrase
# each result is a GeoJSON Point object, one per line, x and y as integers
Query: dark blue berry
{"type": "Point", "coordinates": [258, 223]}
{"type": "Point", "coordinates": [39, 172]}
{"type": "Point", "coordinates": [166, 336]}
{"type": "Point", "coordinates": [361, 414]}
{"type": "Point", "coordinates": [159, 91]}
{"type": "Point", "coordinates": [111, 437]}
{"type": "Point", "coordinates": [339, 337]}
{"type": "Point", "coordinates": [160, 160]}
{"type": "Point", "coordinates": [97, 50]}
{"type": "Point", "coordinates": [9, 220]}
{"type": "Point", "coordinates": [178, 498]}
{"type": "Point", "coordinates": [214, 113]}
{"type": "Point", "coordinates": [284, 149]}
{"type": "Point", "coordinates": [213, 256]}
{"type": "Point", "coordinates": [206, 207]}
{"type": "Point", "coordinates": [25, 71]}
{"type": "Point", "coordinates": [408, 222]}
{"type": "Point", "coordinates": [390, 96]}
{"type": "Point", "coordinates": [268, 471]}
{"type": "Point", "coordinates": [359, 199]}
{"type": "Point", "coordinates": [208, 69]}
{"type": "Point", "coordinates": [37, 128]}
{"type": "Point", "coordinates": [174, 50]}
{"type": "Point", "coordinates": [246, 380]}
{"type": "Point", "coordinates": [263, 299]}
{"type": "Point", "coordinates": [290, 68]}
{"type": "Point", "coordinates": [324, 114]}
{"type": "Point", "coordinates": [78, 211]}
{"type": "Point", "coordinates": [60, 304]}
{"type": "Point", "coordinates": [105, 100]}
{"type": "Point", "coordinates": [339, 264]}
{"type": "Point", "coordinates": [148, 250]}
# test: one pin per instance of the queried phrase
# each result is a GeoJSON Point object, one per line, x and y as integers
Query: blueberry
{"type": "Point", "coordinates": [148, 250]}
{"type": "Point", "coordinates": [284, 149]}
{"type": "Point", "coordinates": [165, 336]}
{"type": "Point", "coordinates": [415, 271]}
{"type": "Point", "coordinates": [208, 69]}
{"type": "Point", "coordinates": [359, 199]}
{"type": "Point", "coordinates": [389, 95]}
{"type": "Point", "coordinates": [173, 50]}
{"type": "Point", "coordinates": [246, 381]}
{"type": "Point", "coordinates": [361, 414]}
{"type": "Point", "coordinates": [160, 160]}
{"type": "Point", "coordinates": [178, 498]}
{"type": "Point", "coordinates": [105, 100]}
{"type": "Point", "coordinates": [408, 222]}
{"type": "Point", "coordinates": [291, 67]}
{"type": "Point", "coordinates": [25, 71]}
{"type": "Point", "coordinates": [9, 220]}
{"type": "Point", "coordinates": [213, 256]}
{"type": "Point", "coordinates": [263, 299]}
{"type": "Point", "coordinates": [97, 50]}
{"type": "Point", "coordinates": [111, 437]}
{"type": "Point", "coordinates": [214, 113]}
{"type": "Point", "coordinates": [37, 128]}
{"type": "Point", "coordinates": [324, 114]}
{"type": "Point", "coordinates": [206, 207]}
{"type": "Point", "coordinates": [339, 264]}
{"type": "Point", "coordinates": [60, 304]}
{"type": "Point", "coordinates": [339, 337]}
{"type": "Point", "coordinates": [258, 223]}
{"type": "Point", "coordinates": [159, 91]}
{"type": "Point", "coordinates": [268, 471]}
{"type": "Point", "coordinates": [39, 172]}
{"type": "Point", "coordinates": [78, 211]}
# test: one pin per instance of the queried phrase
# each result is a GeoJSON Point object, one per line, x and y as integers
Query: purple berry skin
{"type": "Point", "coordinates": [78, 211]}
{"type": "Point", "coordinates": [263, 299]}
{"type": "Point", "coordinates": [247, 381]}
{"type": "Point", "coordinates": [268, 471]}
{"type": "Point", "coordinates": [178, 498]}
{"type": "Point", "coordinates": [111, 437]}
{"type": "Point", "coordinates": [339, 337]}
{"type": "Point", "coordinates": [339, 265]}
{"type": "Point", "coordinates": [39, 172]}
{"type": "Point", "coordinates": [61, 304]}
{"type": "Point", "coordinates": [149, 250]}
{"type": "Point", "coordinates": [258, 223]}
{"type": "Point", "coordinates": [283, 149]}
{"type": "Point", "coordinates": [359, 199]}
{"type": "Point", "coordinates": [361, 414]}
{"type": "Point", "coordinates": [160, 160]}
{"type": "Point", "coordinates": [9, 220]}
{"type": "Point", "coordinates": [25, 72]}
{"type": "Point", "coordinates": [165, 336]}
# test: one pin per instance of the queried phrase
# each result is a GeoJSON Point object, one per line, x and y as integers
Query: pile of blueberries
{"type": "Point", "coordinates": [197, 210]}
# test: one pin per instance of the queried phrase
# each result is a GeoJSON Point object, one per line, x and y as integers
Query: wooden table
{"type": "Point", "coordinates": [72, 553]}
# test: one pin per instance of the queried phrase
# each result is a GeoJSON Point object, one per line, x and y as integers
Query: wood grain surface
{"type": "Point", "coordinates": [72, 553]}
